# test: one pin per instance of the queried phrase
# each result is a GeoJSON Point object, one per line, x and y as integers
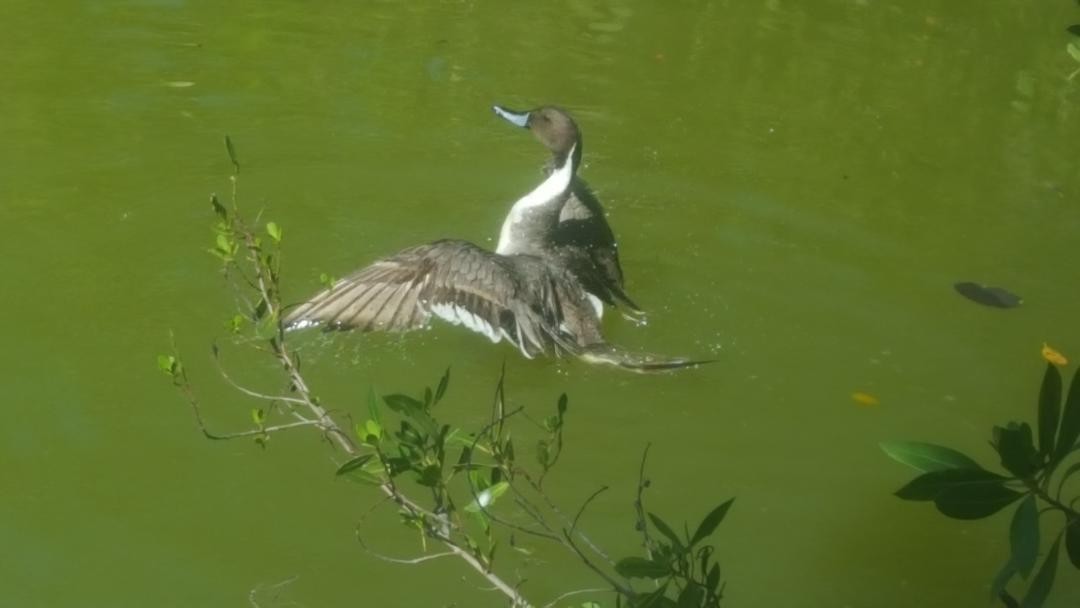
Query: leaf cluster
{"type": "Point", "coordinates": [1032, 462]}
{"type": "Point", "coordinates": [682, 568]}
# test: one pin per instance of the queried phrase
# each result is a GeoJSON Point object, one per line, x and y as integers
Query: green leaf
{"type": "Point", "coordinates": [639, 567]}
{"type": "Point", "coordinates": [927, 457]}
{"type": "Point", "coordinates": [1001, 581]}
{"type": "Point", "coordinates": [224, 245]}
{"type": "Point", "coordinates": [219, 209]}
{"type": "Point", "coordinates": [928, 485]}
{"type": "Point", "coordinates": [1049, 409]}
{"type": "Point", "coordinates": [543, 453]}
{"type": "Point", "coordinates": [1072, 540]}
{"type": "Point", "coordinates": [1069, 430]}
{"type": "Point", "coordinates": [354, 464]}
{"type": "Point", "coordinates": [274, 231]}
{"type": "Point", "coordinates": [691, 596]}
{"type": "Point", "coordinates": [403, 404]}
{"type": "Point", "coordinates": [1017, 449]}
{"type": "Point", "coordinates": [1024, 536]}
{"type": "Point", "coordinates": [232, 153]}
{"type": "Point", "coordinates": [711, 521]}
{"type": "Point", "coordinates": [1073, 50]}
{"type": "Point", "coordinates": [258, 416]}
{"type": "Point", "coordinates": [654, 599]}
{"type": "Point", "coordinates": [430, 476]}
{"type": "Point", "coordinates": [974, 501]}
{"type": "Point", "coordinates": [166, 363]}
{"type": "Point", "coordinates": [444, 382]}
{"type": "Point", "coordinates": [668, 532]}
{"type": "Point", "coordinates": [486, 498]}
{"type": "Point", "coordinates": [372, 429]}
{"type": "Point", "coordinates": [1044, 580]}
{"type": "Point", "coordinates": [373, 406]}
{"type": "Point", "coordinates": [712, 581]}
{"type": "Point", "coordinates": [413, 410]}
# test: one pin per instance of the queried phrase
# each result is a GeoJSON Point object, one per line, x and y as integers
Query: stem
{"type": "Point", "coordinates": [1043, 494]}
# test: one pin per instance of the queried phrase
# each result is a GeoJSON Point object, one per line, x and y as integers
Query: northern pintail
{"type": "Point", "coordinates": [534, 291]}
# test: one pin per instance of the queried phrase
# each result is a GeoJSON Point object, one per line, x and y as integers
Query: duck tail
{"type": "Point", "coordinates": [643, 363]}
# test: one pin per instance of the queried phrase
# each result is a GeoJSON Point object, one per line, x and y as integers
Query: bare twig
{"type": "Point", "coordinates": [251, 393]}
{"type": "Point", "coordinates": [584, 505]}
{"type": "Point", "coordinates": [622, 588]}
{"type": "Point", "coordinates": [555, 601]}
{"type": "Point", "coordinates": [397, 560]}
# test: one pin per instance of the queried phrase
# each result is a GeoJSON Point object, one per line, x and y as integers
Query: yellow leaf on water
{"type": "Point", "coordinates": [1053, 357]}
{"type": "Point", "coordinates": [864, 399]}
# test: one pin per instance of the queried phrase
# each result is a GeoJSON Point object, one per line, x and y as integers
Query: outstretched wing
{"type": "Point", "coordinates": [453, 280]}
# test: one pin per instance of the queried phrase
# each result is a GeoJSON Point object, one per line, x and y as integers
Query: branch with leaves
{"type": "Point", "coordinates": [1036, 476]}
{"type": "Point", "coordinates": [416, 460]}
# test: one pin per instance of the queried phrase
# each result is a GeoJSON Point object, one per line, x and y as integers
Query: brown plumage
{"type": "Point", "coordinates": [535, 306]}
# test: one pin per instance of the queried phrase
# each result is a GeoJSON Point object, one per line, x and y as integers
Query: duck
{"type": "Point", "coordinates": [540, 290]}
{"type": "Point", "coordinates": [582, 239]}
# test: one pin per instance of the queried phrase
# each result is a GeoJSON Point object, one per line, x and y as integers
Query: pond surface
{"type": "Point", "coordinates": [796, 187]}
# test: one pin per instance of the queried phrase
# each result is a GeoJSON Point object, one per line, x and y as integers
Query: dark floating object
{"type": "Point", "coordinates": [988, 296]}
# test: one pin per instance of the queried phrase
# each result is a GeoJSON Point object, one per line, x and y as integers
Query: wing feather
{"type": "Point", "coordinates": [501, 297]}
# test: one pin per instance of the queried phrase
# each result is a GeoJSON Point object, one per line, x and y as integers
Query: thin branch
{"type": "Point", "coordinates": [267, 430]}
{"type": "Point", "coordinates": [584, 505]}
{"type": "Point", "coordinates": [497, 423]}
{"type": "Point", "coordinates": [251, 393]}
{"type": "Point", "coordinates": [565, 520]}
{"type": "Point", "coordinates": [398, 560]}
{"type": "Point", "coordinates": [623, 589]}
{"type": "Point", "coordinates": [555, 601]}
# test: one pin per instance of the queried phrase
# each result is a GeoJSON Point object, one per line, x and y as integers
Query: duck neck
{"type": "Point", "coordinates": [534, 216]}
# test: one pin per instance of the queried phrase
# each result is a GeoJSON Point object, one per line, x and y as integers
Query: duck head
{"type": "Point", "coordinates": [553, 127]}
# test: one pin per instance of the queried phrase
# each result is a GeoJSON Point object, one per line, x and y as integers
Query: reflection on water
{"type": "Point", "coordinates": [796, 187]}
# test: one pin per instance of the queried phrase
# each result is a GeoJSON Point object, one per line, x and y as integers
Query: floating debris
{"type": "Point", "coordinates": [179, 84]}
{"type": "Point", "coordinates": [864, 399]}
{"type": "Point", "coordinates": [996, 297]}
{"type": "Point", "coordinates": [1053, 357]}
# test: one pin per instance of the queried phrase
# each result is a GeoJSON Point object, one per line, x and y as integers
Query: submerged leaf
{"type": "Point", "coordinates": [1024, 536]}
{"type": "Point", "coordinates": [1069, 429]}
{"type": "Point", "coordinates": [929, 485]}
{"type": "Point", "coordinates": [1072, 540]}
{"type": "Point", "coordinates": [1001, 581]}
{"type": "Point", "coordinates": [974, 501]}
{"type": "Point", "coordinates": [1016, 448]}
{"type": "Point", "coordinates": [1049, 409]}
{"type": "Point", "coordinates": [927, 457]}
{"type": "Point", "coordinates": [1044, 580]}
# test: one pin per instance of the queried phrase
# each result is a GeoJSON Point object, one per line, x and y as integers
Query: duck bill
{"type": "Point", "coordinates": [520, 119]}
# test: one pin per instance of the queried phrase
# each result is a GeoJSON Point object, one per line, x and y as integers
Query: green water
{"type": "Point", "coordinates": [795, 186]}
